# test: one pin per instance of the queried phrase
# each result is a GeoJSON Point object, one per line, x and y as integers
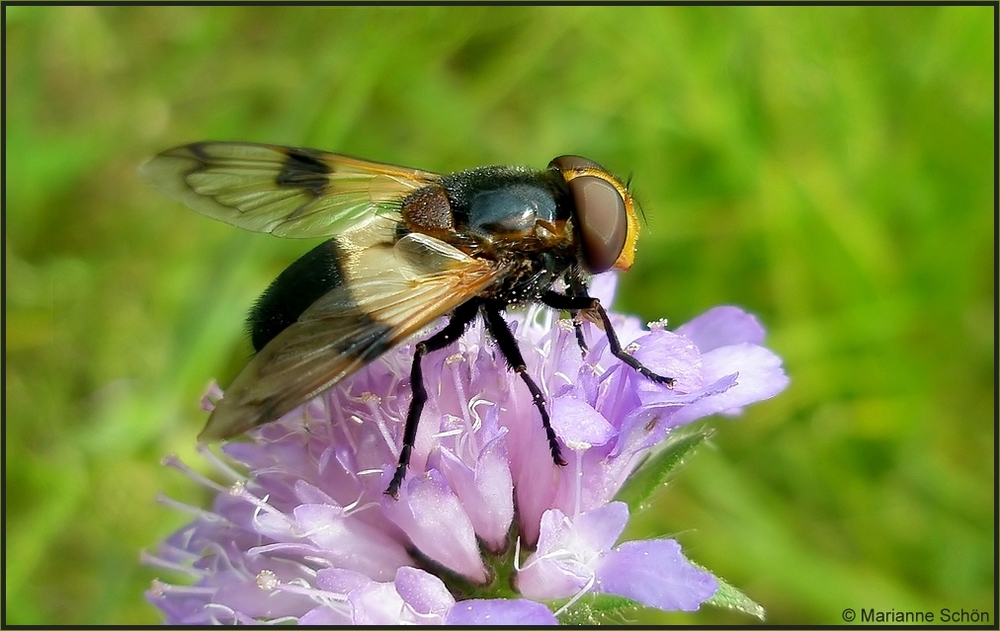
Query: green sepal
{"type": "Point", "coordinates": [598, 609]}
{"type": "Point", "coordinates": [730, 597]}
{"type": "Point", "coordinates": [653, 473]}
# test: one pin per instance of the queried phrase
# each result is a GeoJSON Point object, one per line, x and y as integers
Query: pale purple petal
{"type": "Point", "coordinates": [425, 594]}
{"type": "Point", "coordinates": [548, 573]}
{"type": "Point", "coordinates": [500, 612]}
{"type": "Point", "coordinates": [254, 590]}
{"type": "Point", "coordinates": [648, 425]}
{"type": "Point", "coordinates": [378, 604]}
{"type": "Point", "coordinates": [212, 394]}
{"type": "Point", "coordinates": [598, 529]}
{"type": "Point", "coordinates": [627, 328]}
{"type": "Point", "coordinates": [414, 597]}
{"type": "Point", "coordinates": [603, 287]}
{"type": "Point", "coordinates": [759, 376]}
{"type": "Point", "coordinates": [486, 492]}
{"type": "Point", "coordinates": [722, 326]}
{"type": "Point", "coordinates": [536, 478]}
{"type": "Point", "coordinates": [326, 616]}
{"type": "Point", "coordinates": [310, 494]}
{"type": "Point", "coordinates": [338, 581]}
{"type": "Point", "coordinates": [656, 574]}
{"type": "Point", "coordinates": [350, 543]}
{"type": "Point", "coordinates": [579, 425]}
{"type": "Point", "coordinates": [569, 550]}
{"type": "Point", "coordinates": [670, 355]}
{"type": "Point", "coordinates": [432, 516]}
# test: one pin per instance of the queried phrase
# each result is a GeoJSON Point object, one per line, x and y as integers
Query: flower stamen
{"type": "Point", "coordinates": [176, 463]}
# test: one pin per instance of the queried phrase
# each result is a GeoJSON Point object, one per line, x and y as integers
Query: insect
{"type": "Point", "coordinates": [405, 247]}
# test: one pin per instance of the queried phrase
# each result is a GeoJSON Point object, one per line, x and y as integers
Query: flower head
{"type": "Point", "coordinates": [486, 529]}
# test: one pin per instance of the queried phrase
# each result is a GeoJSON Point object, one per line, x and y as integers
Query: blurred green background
{"type": "Point", "coordinates": [829, 169]}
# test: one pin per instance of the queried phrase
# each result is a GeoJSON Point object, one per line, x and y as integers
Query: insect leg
{"type": "Point", "coordinates": [562, 301]}
{"type": "Point", "coordinates": [577, 288]}
{"type": "Point", "coordinates": [500, 331]}
{"type": "Point", "coordinates": [460, 319]}
{"type": "Point", "coordinates": [578, 327]}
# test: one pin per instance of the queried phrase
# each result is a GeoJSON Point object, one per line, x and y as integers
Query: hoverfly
{"type": "Point", "coordinates": [405, 247]}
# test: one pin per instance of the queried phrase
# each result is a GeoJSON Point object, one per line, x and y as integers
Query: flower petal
{"type": "Point", "coordinates": [550, 572]}
{"type": "Point", "coordinates": [578, 424]}
{"type": "Point", "coordinates": [670, 355]}
{"type": "Point", "coordinates": [378, 604]}
{"type": "Point", "coordinates": [425, 593]}
{"type": "Point", "coordinates": [603, 287]}
{"type": "Point", "coordinates": [349, 543]}
{"type": "Point", "coordinates": [500, 612]}
{"type": "Point", "coordinates": [760, 376]}
{"type": "Point", "coordinates": [486, 492]}
{"type": "Point", "coordinates": [601, 527]}
{"type": "Point", "coordinates": [656, 574]}
{"type": "Point", "coordinates": [722, 326]}
{"type": "Point", "coordinates": [432, 516]}
{"type": "Point", "coordinates": [569, 551]}
{"type": "Point", "coordinates": [338, 581]}
{"type": "Point", "coordinates": [325, 616]}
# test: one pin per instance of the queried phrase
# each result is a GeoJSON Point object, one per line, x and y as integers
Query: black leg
{"type": "Point", "coordinates": [562, 301]}
{"type": "Point", "coordinates": [498, 328]}
{"type": "Point", "coordinates": [578, 326]}
{"type": "Point", "coordinates": [460, 319]}
{"type": "Point", "coordinates": [577, 288]}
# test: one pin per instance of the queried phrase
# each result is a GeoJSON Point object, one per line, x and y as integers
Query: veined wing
{"type": "Point", "coordinates": [289, 192]}
{"type": "Point", "coordinates": [390, 292]}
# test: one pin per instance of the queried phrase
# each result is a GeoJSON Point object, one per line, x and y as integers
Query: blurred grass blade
{"type": "Point", "coordinates": [653, 473]}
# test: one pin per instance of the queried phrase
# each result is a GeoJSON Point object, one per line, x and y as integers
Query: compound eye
{"type": "Point", "coordinates": [602, 219]}
{"type": "Point", "coordinates": [570, 163]}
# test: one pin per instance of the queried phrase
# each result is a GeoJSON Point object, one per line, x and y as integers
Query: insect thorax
{"type": "Point", "coordinates": [529, 278]}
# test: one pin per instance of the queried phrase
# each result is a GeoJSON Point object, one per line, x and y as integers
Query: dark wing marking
{"type": "Point", "coordinates": [393, 291]}
{"type": "Point", "coordinates": [286, 191]}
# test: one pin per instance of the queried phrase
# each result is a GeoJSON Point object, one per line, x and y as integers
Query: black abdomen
{"type": "Point", "coordinates": [293, 291]}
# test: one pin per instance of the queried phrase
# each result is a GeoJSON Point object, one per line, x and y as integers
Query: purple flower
{"type": "Point", "coordinates": [486, 529]}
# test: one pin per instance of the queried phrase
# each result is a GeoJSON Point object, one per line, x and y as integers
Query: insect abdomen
{"type": "Point", "coordinates": [293, 291]}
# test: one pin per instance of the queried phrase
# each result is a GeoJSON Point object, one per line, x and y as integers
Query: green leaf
{"type": "Point", "coordinates": [653, 473]}
{"type": "Point", "coordinates": [598, 609]}
{"type": "Point", "coordinates": [732, 598]}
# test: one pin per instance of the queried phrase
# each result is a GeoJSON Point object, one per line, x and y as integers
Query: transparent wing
{"type": "Point", "coordinates": [395, 291]}
{"type": "Point", "coordinates": [289, 192]}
